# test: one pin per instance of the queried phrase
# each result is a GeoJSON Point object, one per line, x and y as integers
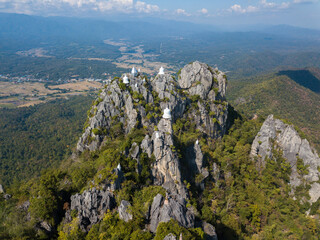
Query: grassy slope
{"type": "Point", "coordinates": [281, 96]}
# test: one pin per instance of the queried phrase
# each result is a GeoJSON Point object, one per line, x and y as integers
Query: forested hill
{"type": "Point", "coordinates": [290, 95]}
{"type": "Point", "coordinates": [38, 137]}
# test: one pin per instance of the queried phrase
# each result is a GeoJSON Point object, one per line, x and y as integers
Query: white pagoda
{"type": "Point", "coordinates": [134, 72]}
{"type": "Point", "coordinates": [161, 71]}
{"type": "Point", "coordinates": [125, 79]}
{"type": "Point", "coordinates": [167, 113]}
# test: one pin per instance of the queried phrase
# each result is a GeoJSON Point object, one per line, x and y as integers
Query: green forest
{"type": "Point", "coordinates": [38, 137]}
{"type": "Point", "coordinates": [245, 204]}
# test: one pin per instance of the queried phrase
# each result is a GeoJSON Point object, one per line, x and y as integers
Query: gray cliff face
{"type": "Point", "coordinates": [194, 159]}
{"type": "Point", "coordinates": [91, 206]}
{"type": "Point", "coordinates": [166, 168]}
{"type": "Point", "coordinates": [164, 209]}
{"type": "Point", "coordinates": [198, 79]}
{"type": "Point", "coordinates": [286, 138]}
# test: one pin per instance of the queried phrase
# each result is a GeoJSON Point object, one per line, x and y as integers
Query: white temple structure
{"type": "Point", "coordinates": [157, 135]}
{"type": "Point", "coordinates": [134, 72]}
{"type": "Point", "coordinates": [119, 167]}
{"type": "Point", "coordinates": [125, 79]}
{"type": "Point", "coordinates": [161, 71]}
{"type": "Point", "coordinates": [167, 113]}
{"type": "Point", "coordinates": [197, 142]}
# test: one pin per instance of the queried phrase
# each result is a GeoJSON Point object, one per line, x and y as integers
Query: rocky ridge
{"type": "Point", "coordinates": [198, 95]}
{"type": "Point", "coordinates": [275, 134]}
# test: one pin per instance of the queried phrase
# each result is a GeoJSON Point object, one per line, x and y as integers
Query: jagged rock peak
{"type": "Point", "coordinates": [275, 134]}
{"type": "Point", "coordinates": [122, 107]}
{"type": "Point", "coordinates": [91, 206]}
{"type": "Point", "coordinates": [164, 209]}
{"type": "Point", "coordinates": [200, 79]}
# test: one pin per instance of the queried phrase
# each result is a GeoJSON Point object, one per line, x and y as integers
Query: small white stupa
{"type": "Point", "coordinates": [161, 71]}
{"type": "Point", "coordinates": [136, 85]}
{"type": "Point", "coordinates": [167, 113]}
{"type": "Point", "coordinates": [157, 135]}
{"type": "Point", "coordinates": [139, 70]}
{"type": "Point", "coordinates": [134, 72]}
{"type": "Point", "coordinates": [197, 142]}
{"type": "Point", "coordinates": [125, 79]}
{"type": "Point", "coordinates": [144, 79]}
{"type": "Point", "coordinates": [119, 167]}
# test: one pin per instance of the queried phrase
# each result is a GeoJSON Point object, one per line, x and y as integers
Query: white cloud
{"type": "Point", "coordinates": [204, 11]}
{"type": "Point", "coordinates": [305, 1]}
{"type": "Point", "coordinates": [263, 5]}
{"type": "Point", "coordinates": [45, 6]}
{"type": "Point", "coordinates": [266, 4]}
{"type": "Point", "coordinates": [238, 9]}
{"type": "Point", "coordinates": [182, 12]}
{"type": "Point", "coordinates": [146, 8]}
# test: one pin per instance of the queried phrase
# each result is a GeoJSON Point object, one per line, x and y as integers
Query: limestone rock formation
{"type": "Point", "coordinates": [274, 133]}
{"type": "Point", "coordinates": [124, 211]}
{"type": "Point", "coordinates": [194, 157]}
{"type": "Point", "coordinates": [166, 169]}
{"type": "Point", "coordinates": [121, 108]}
{"type": "Point", "coordinates": [200, 79]}
{"type": "Point", "coordinates": [170, 236]}
{"type": "Point", "coordinates": [91, 205]}
{"type": "Point", "coordinates": [163, 209]}
{"type": "Point", "coordinates": [210, 231]}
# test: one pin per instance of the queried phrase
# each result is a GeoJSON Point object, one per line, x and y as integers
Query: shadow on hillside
{"type": "Point", "coordinates": [303, 77]}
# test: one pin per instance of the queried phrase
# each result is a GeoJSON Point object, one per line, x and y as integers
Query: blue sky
{"type": "Point", "coordinates": [305, 13]}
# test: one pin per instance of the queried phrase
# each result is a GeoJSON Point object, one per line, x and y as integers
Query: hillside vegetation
{"type": "Point", "coordinates": [200, 179]}
{"type": "Point", "coordinates": [278, 94]}
{"type": "Point", "coordinates": [35, 138]}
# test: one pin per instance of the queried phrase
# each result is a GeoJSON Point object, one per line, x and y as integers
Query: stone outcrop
{"type": "Point", "coordinates": [275, 134]}
{"type": "Point", "coordinates": [200, 79]}
{"type": "Point", "coordinates": [210, 231]}
{"type": "Point", "coordinates": [124, 211]}
{"type": "Point", "coordinates": [194, 157]}
{"type": "Point", "coordinates": [166, 169]}
{"type": "Point", "coordinates": [164, 209]}
{"type": "Point", "coordinates": [91, 206]}
{"type": "Point", "coordinates": [170, 236]}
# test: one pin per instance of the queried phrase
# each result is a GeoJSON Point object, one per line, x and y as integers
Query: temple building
{"type": "Point", "coordinates": [161, 71]}
{"type": "Point", "coordinates": [167, 113]}
{"type": "Point", "coordinates": [134, 72]}
{"type": "Point", "coordinates": [125, 79]}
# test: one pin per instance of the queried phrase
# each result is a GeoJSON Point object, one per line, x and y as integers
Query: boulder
{"type": "Point", "coordinates": [210, 231]}
{"type": "Point", "coordinates": [170, 236]}
{"type": "Point", "coordinates": [124, 211]}
{"type": "Point", "coordinates": [91, 206]}
{"type": "Point", "coordinates": [164, 209]}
